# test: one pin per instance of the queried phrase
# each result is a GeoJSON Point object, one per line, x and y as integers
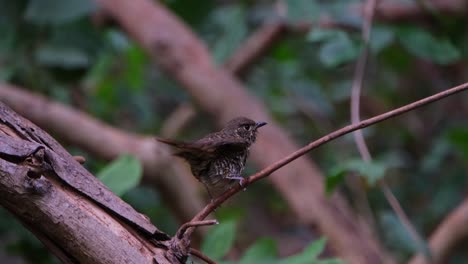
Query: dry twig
{"type": "Point", "coordinates": [331, 136]}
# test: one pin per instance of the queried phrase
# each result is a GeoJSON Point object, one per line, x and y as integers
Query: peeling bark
{"type": "Point", "coordinates": [73, 213]}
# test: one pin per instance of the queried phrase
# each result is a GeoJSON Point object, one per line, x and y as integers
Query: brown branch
{"type": "Point", "coordinates": [317, 143]}
{"type": "Point", "coordinates": [69, 209]}
{"type": "Point", "coordinates": [106, 142]}
{"type": "Point", "coordinates": [201, 256]}
{"type": "Point", "coordinates": [177, 120]}
{"type": "Point", "coordinates": [185, 226]}
{"type": "Point", "coordinates": [355, 103]}
{"type": "Point", "coordinates": [255, 46]}
{"type": "Point", "coordinates": [391, 11]}
{"type": "Point", "coordinates": [452, 230]}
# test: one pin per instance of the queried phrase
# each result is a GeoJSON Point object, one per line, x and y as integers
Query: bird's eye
{"type": "Point", "coordinates": [246, 127]}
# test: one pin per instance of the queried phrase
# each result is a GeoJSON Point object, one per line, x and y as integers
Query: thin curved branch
{"type": "Point", "coordinates": [185, 226]}
{"type": "Point", "coordinates": [201, 256]}
{"type": "Point", "coordinates": [356, 87]}
{"type": "Point", "coordinates": [317, 143]}
{"type": "Point", "coordinates": [369, 12]}
{"type": "Point", "coordinates": [254, 47]}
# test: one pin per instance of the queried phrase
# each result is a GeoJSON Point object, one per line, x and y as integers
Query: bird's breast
{"type": "Point", "coordinates": [230, 164]}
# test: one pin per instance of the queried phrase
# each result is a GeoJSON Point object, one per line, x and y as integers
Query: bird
{"type": "Point", "coordinates": [218, 159]}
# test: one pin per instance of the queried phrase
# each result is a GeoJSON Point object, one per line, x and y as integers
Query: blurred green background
{"type": "Point", "coordinates": [70, 52]}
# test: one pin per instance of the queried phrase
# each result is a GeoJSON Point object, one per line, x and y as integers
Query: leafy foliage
{"type": "Point", "coordinates": [57, 11]}
{"type": "Point", "coordinates": [421, 43]}
{"type": "Point", "coordinates": [262, 251]}
{"type": "Point", "coordinates": [61, 49]}
{"type": "Point", "coordinates": [219, 240]}
{"type": "Point", "coordinates": [337, 47]}
{"type": "Point", "coordinates": [122, 174]}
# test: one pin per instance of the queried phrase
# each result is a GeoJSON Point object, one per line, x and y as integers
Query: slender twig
{"type": "Point", "coordinates": [201, 256]}
{"type": "Point", "coordinates": [333, 135]}
{"type": "Point", "coordinates": [184, 227]}
{"type": "Point", "coordinates": [252, 49]}
{"type": "Point", "coordinates": [359, 76]}
{"type": "Point", "coordinates": [369, 11]}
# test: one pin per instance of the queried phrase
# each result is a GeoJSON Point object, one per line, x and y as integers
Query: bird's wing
{"type": "Point", "coordinates": [208, 147]}
{"type": "Point", "coordinates": [219, 145]}
{"type": "Point", "coordinates": [185, 150]}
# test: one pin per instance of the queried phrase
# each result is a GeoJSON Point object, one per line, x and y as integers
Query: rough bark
{"type": "Point", "coordinates": [106, 142]}
{"type": "Point", "coordinates": [72, 212]}
{"type": "Point", "coordinates": [178, 52]}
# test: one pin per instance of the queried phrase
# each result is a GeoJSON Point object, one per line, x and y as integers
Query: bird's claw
{"type": "Point", "coordinates": [239, 178]}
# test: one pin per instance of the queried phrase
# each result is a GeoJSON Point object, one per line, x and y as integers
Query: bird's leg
{"type": "Point", "coordinates": [237, 177]}
{"type": "Point", "coordinates": [209, 193]}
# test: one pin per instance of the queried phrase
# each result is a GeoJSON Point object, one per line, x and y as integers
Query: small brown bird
{"type": "Point", "coordinates": [218, 159]}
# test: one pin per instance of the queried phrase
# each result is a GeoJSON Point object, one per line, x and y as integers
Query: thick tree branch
{"type": "Point", "coordinates": [394, 11]}
{"type": "Point", "coordinates": [106, 142]}
{"type": "Point", "coordinates": [452, 231]}
{"type": "Point", "coordinates": [71, 211]}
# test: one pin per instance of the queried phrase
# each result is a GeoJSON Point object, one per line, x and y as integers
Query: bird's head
{"type": "Point", "coordinates": [244, 127]}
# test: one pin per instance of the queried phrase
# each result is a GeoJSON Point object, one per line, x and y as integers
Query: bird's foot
{"type": "Point", "coordinates": [239, 178]}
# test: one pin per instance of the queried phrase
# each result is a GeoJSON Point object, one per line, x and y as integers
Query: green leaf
{"type": "Point", "coordinates": [219, 240]}
{"type": "Point", "coordinates": [338, 50]}
{"type": "Point", "coordinates": [57, 11]}
{"type": "Point", "coordinates": [65, 57]}
{"type": "Point", "coordinates": [122, 174]}
{"type": "Point", "coordinates": [335, 178]}
{"type": "Point", "coordinates": [320, 34]}
{"type": "Point", "coordinates": [263, 251]}
{"type": "Point", "coordinates": [136, 60]}
{"type": "Point", "coordinates": [309, 255]}
{"type": "Point", "coordinates": [337, 47]}
{"type": "Point", "coordinates": [398, 236]}
{"type": "Point", "coordinates": [330, 261]}
{"type": "Point", "coordinates": [233, 30]}
{"type": "Point", "coordinates": [372, 171]}
{"type": "Point", "coordinates": [423, 44]}
{"type": "Point", "coordinates": [303, 10]}
{"type": "Point", "coordinates": [315, 249]}
{"type": "Point", "coordinates": [459, 138]}
{"type": "Point", "coordinates": [381, 37]}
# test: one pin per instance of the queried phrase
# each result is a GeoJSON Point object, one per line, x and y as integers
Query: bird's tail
{"type": "Point", "coordinates": [171, 142]}
{"type": "Point", "coordinates": [184, 150]}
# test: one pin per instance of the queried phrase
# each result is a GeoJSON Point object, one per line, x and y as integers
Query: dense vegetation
{"type": "Point", "coordinates": [74, 53]}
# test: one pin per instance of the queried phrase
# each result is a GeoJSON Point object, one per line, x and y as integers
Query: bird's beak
{"type": "Point", "coordinates": [260, 124]}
